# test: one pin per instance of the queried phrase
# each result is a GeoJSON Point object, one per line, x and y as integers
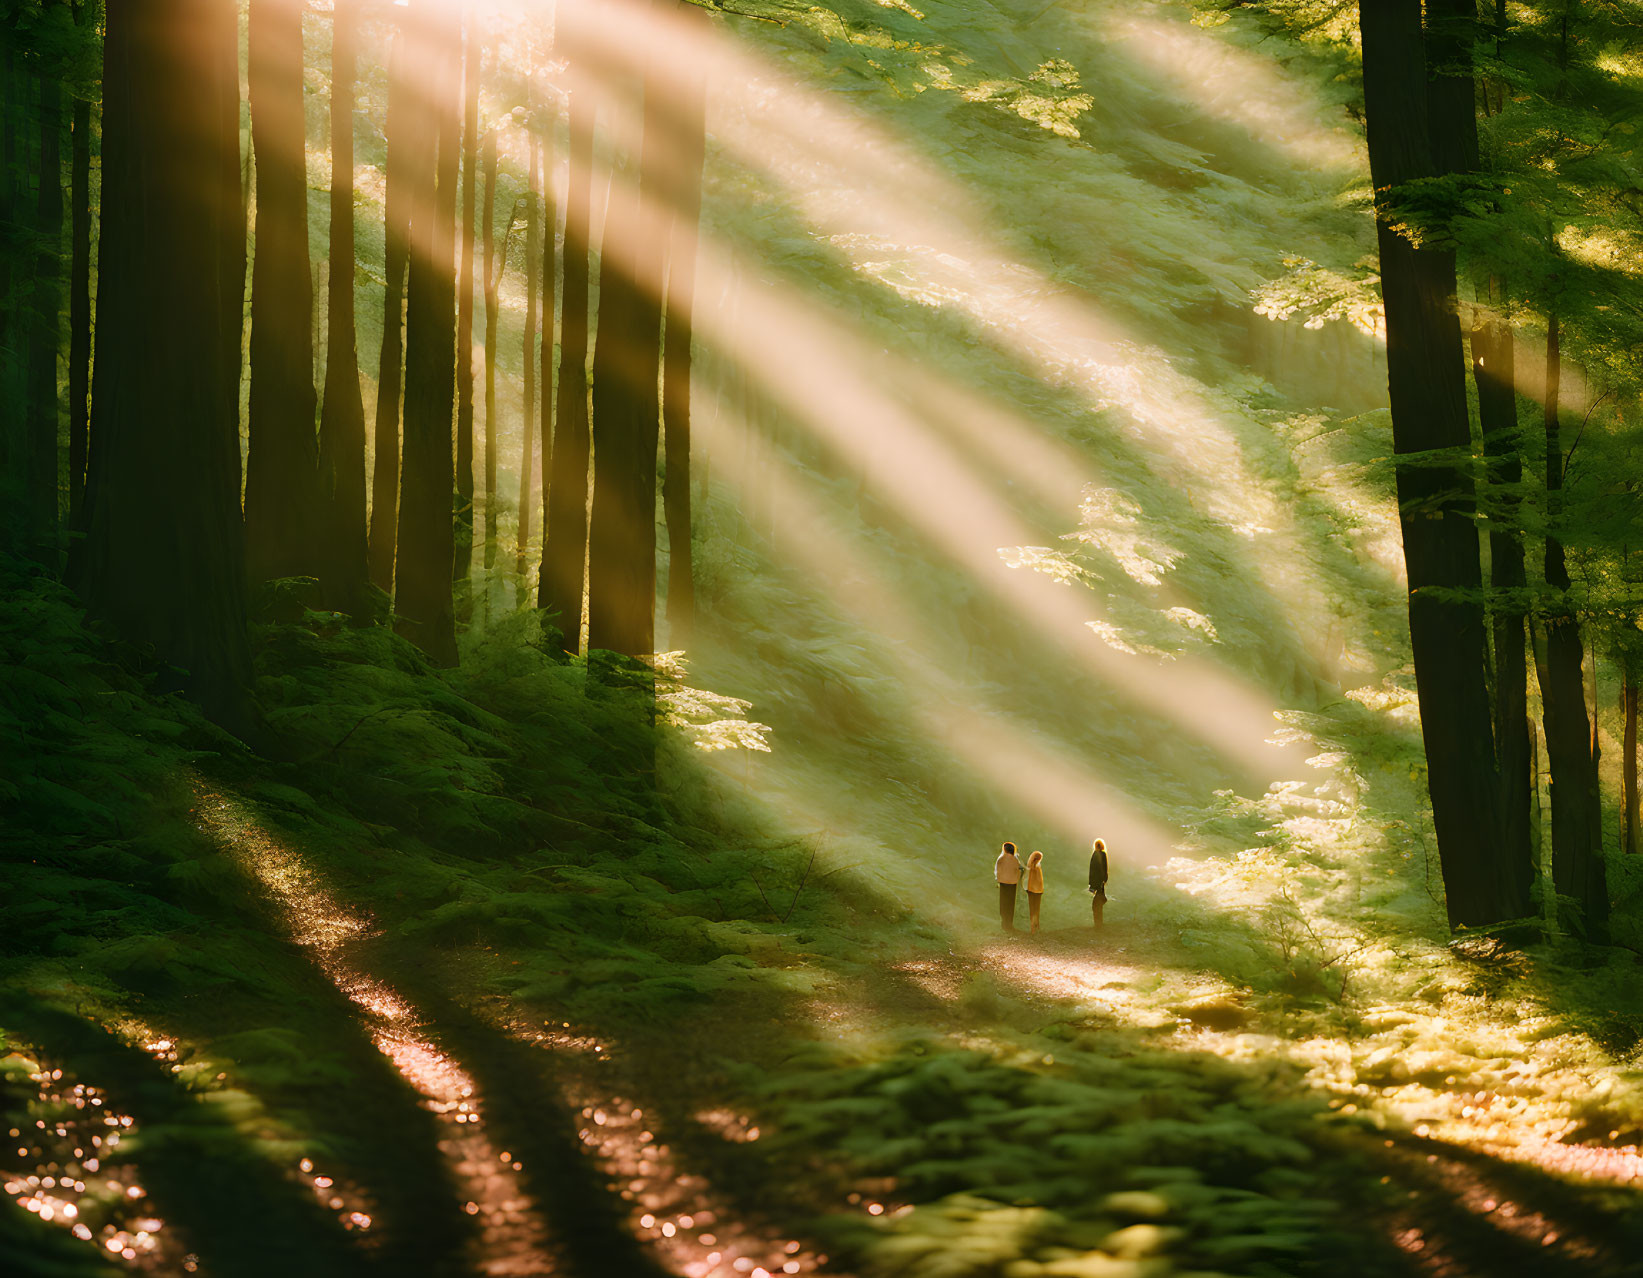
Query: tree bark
{"type": "Point", "coordinates": [342, 419]}
{"type": "Point", "coordinates": [1577, 860]}
{"type": "Point", "coordinates": [550, 285]}
{"type": "Point", "coordinates": [688, 152]}
{"type": "Point", "coordinates": [282, 505]}
{"type": "Point", "coordinates": [491, 282]}
{"type": "Point", "coordinates": [44, 335]}
{"type": "Point", "coordinates": [12, 437]}
{"type": "Point", "coordinates": [1628, 765]}
{"type": "Point", "coordinates": [522, 527]}
{"type": "Point", "coordinates": [396, 218]}
{"type": "Point", "coordinates": [422, 595]}
{"type": "Point", "coordinates": [164, 551]}
{"type": "Point", "coordinates": [1426, 381]}
{"type": "Point", "coordinates": [560, 582]}
{"type": "Point", "coordinates": [465, 306]}
{"type": "Point", "coordinates": [1494, 372]}
{"type": "Point", "coordinates": [79, 304]}
{"type": "Point", "coordinates": [622, 518]}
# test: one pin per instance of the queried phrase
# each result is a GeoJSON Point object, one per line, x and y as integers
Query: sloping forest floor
{"type": "Point", "coordinates": [470, 972]}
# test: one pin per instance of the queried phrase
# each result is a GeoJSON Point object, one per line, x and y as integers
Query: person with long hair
{"type": "Point", "coordinates": [1098, 879]}
{"type": "Point", "coordinates": [1007, 872]}
{"type": "Point", "coordinates": [1035, 888]}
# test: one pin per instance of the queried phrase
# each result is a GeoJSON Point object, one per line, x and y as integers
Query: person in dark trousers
{"type": "Point", "coordinates": [1035, 889]}
{"type": "Point", "coordinates": [1098, 879]}
{"type": "Point", "coordinates": [1007, 870]}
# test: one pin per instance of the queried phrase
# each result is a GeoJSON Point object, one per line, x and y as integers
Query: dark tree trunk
{"type": "Point", "coordinates": [490, 350]}
{"type": "Point", "coordinates": [1494, 371]}
{"type": "Point", "coordinates": [688, 151]}
{"type": "Point", "coordinates": [342, 420]}
{"type": "Point", "coordinates": [282, 465]}
{"type": "Point", "coordinates": [396, 218]}
{"type": "Point", "coordinates": [559, 587]}
{"type": "Point", "coordinates": [164, 558]}
{"type": "Point", "coordinates": [527, 427]}
{"type": "Point", "coordinates": [538, 479]}
{"type": "Point", "coordinates": [79, 307]}
{"type": "Point", "coordinates": [1628, 763]}
{"type": "Point", "coordinates": [1577, 860]}
{"type": "Point", "coordinates": [622, 518]}
{"type": "Point", "coordinates": [465, 307]}
{"type": "Point", "coordinates": [44, 334]}
{"type": "Point", "coordinates": [11, 428]}
{"type": "Point", "coordinates": [1451, 37]}
{"type": "Point", "coordinates": [1426, 379]}
{"type": "Point", "coordinates": [422, 597]}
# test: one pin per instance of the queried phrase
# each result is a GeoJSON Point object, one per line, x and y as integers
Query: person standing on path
{"type": "Point", "coordinates": [1035, 888]}
{"type": "Point", "coordinates": [1007, 870]}
{"type": "Point", "coordinates": [1098, 880]}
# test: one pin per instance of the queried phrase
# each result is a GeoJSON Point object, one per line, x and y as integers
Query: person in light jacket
{"type": "Point", "coordinates": [1035, 888]}
{"type": "Point", "coordinates": [1098, 879]}
{"type": "Point", "coordinates": [1007, 870]}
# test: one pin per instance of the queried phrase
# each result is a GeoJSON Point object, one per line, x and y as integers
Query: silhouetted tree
{"type": "Point", "coordinates": [465, 306]}
{"type": "Point", "coordinates": [1451, 36]}
{"type": "Point", "coordinates": [1426, 380]}
{"type": "Point", "coordinates": [44, 334]}
{"type": "Point", "coordinates": [396, 220]}
{"type": "Point", "coordinates": [164, 551]}
{"type": "Point", "coordinates": [282, 504]}
{"type": "Point", "coordinates": [522, 528]}
{"type": "Point", "coordinates": [689, 116]}
{"type": "Point", "coordinates": [1577, 860]}
{"type": "Point", "coordinates": [422, 586]}
{"type": "Point", "coordinates": [490, 349]}
{"type": "Point", "coordinates": [560, 582]}
{"type": "Point", "coordinates": [622, 516]}
{"type": "Point", "coordinates": [545, 369]}
{"type": "Point", "coordinates": [342, 419]}
{"type": "Point", "coordinates": [79, 287]}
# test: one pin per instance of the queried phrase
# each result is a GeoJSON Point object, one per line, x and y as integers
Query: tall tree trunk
{"type": "Point", "coordinates": [1426, 380]}
{"type": "Point", "coordinates": [282, 465]}
{"type": "Point", "coordinates": [164, 558]}
{"type": "Point", "coordinates": [44, 334]}
{"type": "Point", "coordinates": [396, 218]}
{"type": "Point", "coordinates": [550, 286]}
{"type": "Point", "coordinates": [12, 439]}
{"type": "Point", "coordinates": [1451, 38]}
{"type": "Point", "coordinates": [622, 517]}
{"type": "Point", "coordinates": [422, 595]}
{"type": "Point", "coordinates": [465, 306]}
{"type": "Point", "coordinates": [1628, 764]}
{"type": "Point", "coordinates": [1494, 371]}
{"type": "Point", "coordinates": [528, 422]}
{"type": "Point", "coordinates": [342, 420]}
{"type": "Point", "coordinates": [79, 303]}
{"type": "Point", "coordinates": [491, 282]}
{"type": "Point", "coordinates": [688, 151]}
{"type": "Point", "coordinates": [1577, 861]}
{"type": "Point", "coordinates": [560, 582]}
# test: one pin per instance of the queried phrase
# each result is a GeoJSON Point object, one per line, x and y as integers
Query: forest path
{"type": "Point", "coordinates": [511, 1237]}
{"type": "Point", "coordinates": [558, 1168]}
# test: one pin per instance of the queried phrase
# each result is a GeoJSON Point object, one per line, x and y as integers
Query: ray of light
{"type": "Point", "coordinates": [511, 1241]}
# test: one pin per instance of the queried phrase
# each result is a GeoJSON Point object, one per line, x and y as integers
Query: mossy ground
{"type": "Point", "coordinates": [1166, 1097]}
